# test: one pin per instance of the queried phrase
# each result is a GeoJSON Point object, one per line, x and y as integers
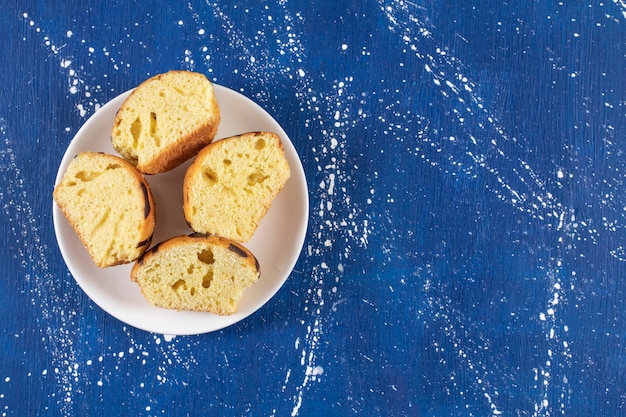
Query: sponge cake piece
{"type": "Point", "coordinates": [109, 205]}
{"type": "Point", "coordinates": [231, 184]}
{"type": "Point", "coordinates": [196, 273]}
{"type": "Point", "coordinates": [166, 120]}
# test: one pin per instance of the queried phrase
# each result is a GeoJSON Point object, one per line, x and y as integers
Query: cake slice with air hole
{"type": "Point", "coordinates": [109, 205]}
{"type": "Point", "coordinates": [232, 183]}
{"type": "Point", "coordinates": [196, 273]}
{"type": "Point", "coordinates": [166, 120]}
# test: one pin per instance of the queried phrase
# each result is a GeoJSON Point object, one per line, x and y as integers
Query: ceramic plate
{"type": "Point", "coordinates": [277, 242]}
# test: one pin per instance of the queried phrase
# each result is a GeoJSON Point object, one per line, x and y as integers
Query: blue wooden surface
{"type": "Point", "coordinates": [466, 252]}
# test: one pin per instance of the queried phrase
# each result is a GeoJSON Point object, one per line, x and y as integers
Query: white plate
{"type": "Point", "coordinates": [276, 244]}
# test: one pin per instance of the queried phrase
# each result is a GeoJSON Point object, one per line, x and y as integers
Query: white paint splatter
{"type": "Point", "coordinates": [74, 82]}
{"type": "Point", "coordinates": [513, 181]}
{"type": "Point", "coordinates": [55, 308]}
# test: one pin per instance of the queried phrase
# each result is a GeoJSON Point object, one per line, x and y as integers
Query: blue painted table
{"type": "Point", "coordinates": [466, 248]}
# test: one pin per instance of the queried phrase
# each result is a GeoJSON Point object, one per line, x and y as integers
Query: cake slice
{"type": "Point", "coordinates": [166, 120]}
{"type": "Point", "coordinates": [196, 273]}
{"type": "Point", "coordinates": [231, 184]}
{"type": "Point", "coordinates": [109, 205]}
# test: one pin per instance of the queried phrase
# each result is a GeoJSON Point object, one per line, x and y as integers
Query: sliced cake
{"type": "Point", "coordinates": [231, 184]}
{"type": "Point", "coordinates": [166, 120]}
{"type": "Point", "coordinates": [196, 273]}
{"type": "Point", "coordinates": [110, 206]}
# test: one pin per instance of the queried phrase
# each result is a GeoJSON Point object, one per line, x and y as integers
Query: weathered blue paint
{"type": "Point", "coordinates": [466, 253]}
